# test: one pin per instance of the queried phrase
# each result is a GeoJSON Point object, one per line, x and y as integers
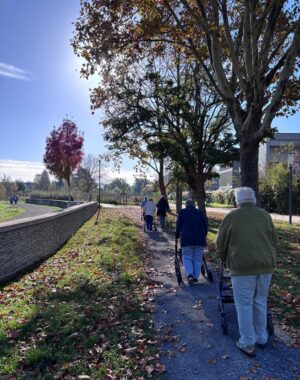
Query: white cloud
{"type": "Point", "coordinates": [11, 71]}
{"type": "Point", "coordinates": [128, 175]}
{"type": "Point", "coordinates": [24, 170]}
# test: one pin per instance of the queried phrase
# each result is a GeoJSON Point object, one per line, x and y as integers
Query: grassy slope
{"type": "Point", "coordinates": [8, 212]}
{"type": "Point", "coordinates": [84, 311]}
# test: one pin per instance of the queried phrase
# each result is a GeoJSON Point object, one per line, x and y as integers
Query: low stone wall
{"type": "Point", "coordinates": [26, 242]}
{"type": "Point", "coordinates": [52, 202]}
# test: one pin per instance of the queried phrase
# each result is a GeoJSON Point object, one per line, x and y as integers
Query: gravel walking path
{"type": "Point", "coordinates": [188, 321]}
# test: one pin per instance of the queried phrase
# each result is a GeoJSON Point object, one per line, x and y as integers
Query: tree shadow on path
{"type": "Point", "coordinates": [189, 324]}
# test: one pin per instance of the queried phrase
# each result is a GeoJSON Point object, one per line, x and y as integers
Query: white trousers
{"type": "Point", "coordinates": [250, 298]}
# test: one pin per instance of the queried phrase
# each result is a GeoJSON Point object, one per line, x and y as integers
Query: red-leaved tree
{"type": "Point", "coordinates": [64, 151]}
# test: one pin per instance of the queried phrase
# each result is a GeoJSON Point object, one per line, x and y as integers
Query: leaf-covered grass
{"type": "Point", "coordinates": [84, 311]}
{"type": "Point", "coordinates": [284, 294]}
{"type": "Point", "coordinates": [8, 212]}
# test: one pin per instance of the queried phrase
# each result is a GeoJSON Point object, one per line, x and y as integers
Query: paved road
{"type": "Point", "coordinates": [275, 217]}
{"type": "Point", "coordinates": [193, 345]}
{"type": "Point", "coordinates": [35, 210]}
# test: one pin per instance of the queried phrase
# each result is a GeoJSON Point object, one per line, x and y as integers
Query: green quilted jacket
{"type": "Point", "coordinates": [247, 240]}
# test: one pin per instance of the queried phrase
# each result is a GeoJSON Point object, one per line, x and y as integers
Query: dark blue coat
{"type": "Point", "coordinates": [191, 227]}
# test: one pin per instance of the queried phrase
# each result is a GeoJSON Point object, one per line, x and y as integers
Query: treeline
{"type": "Point", "coordinates": [84, 188]}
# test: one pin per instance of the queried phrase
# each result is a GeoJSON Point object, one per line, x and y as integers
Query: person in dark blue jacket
{"type": "Point", "coordinates": [192, 229]}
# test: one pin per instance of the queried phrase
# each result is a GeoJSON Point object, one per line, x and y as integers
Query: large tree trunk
{"type": "Point", "coordinates": [178, 199]}
{"type": "Point", "coordinates": [200, 195]}
{"type": "Point", "coordinates": [69, 189]}
{"type": "Point", "coordinates": [161, 180]}
{"type": "Point", "coordinates": [249, 164]}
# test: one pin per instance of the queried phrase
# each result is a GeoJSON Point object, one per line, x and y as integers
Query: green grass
{"type": "Point", "coordinates": [8, 212]}
{"type": "Point", "coordinates": [80, 311]}
{"type": "Point", "coordinates": [218, 205]}
{"type": "Point", "coordinates": [284, 293]}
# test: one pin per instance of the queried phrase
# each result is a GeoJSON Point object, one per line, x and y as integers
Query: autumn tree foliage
{"type": "Point", "coordinates": [164, 108]}
{"type": "Point", "coordinates": [248, 50]}
{"type": "Point", "coordinates": [64, 151]}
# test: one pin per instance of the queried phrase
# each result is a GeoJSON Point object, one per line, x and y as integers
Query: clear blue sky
{"type": "Point", "coordinates": [40, 82]}
{"type": "Point", "coordinates": [34, 38]}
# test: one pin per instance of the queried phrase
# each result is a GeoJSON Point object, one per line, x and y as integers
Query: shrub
{"type": "Point", "coordinates": [223, 196]}
{"type": "Point", "coordinates": [50, 195]}
{"type": "Point", "coordinates": [274, 189]}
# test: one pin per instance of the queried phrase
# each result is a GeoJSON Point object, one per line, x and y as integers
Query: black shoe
{"type": "Point", "coordinates": [190, 279]}
{"type": "Point", "coordinates": [195, 280]}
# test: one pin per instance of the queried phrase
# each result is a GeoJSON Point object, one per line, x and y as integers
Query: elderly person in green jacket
{"type": "Point", "coordinates": [246, 241]}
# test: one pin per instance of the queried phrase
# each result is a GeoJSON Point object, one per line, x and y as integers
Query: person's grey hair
{"type": "Point", "coordinates": [244, 195]}
{"type": "Point", "coordinates": [189, 202]}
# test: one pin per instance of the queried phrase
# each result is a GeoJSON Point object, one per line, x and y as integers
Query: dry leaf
{"type": "Point", "coordinates": [130, 350]}
{"type": "Point", "coordinates": [149, 369]}
{"type": "Point", "coordinates": [160, 368]}
{"type": "Point", "coordinates": [212, 361]}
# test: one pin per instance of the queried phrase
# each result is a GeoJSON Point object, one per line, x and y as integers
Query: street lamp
{"type": "Point", "coordinates": [99, 195]}
{"type": "Point", "coordinates": [290, 163]}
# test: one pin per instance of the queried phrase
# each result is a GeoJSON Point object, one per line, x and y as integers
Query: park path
{"type": "Point", "coordinates": [275, 217]}
{"type": "Point", "coordinates": [34, 210]}
{"type": "Point", "coordinates": [188, 324]}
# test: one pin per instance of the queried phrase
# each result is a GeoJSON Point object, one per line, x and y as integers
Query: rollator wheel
{"type": "Point", "coordinates": [224, 324]}
{"type": "Point", "coordinates": [210, 276]}
{"type": "Point", "coordinates": [270, 324]}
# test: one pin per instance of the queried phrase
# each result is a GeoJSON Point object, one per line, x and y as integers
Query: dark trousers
{"type": "Point", "coordinates": [149, 222]}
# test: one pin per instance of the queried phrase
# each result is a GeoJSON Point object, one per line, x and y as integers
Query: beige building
{"type": "Point", "coordinates": [273, 150]}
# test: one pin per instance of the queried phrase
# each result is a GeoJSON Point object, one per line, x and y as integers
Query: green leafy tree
{"type": "Point", "coordinates": [139, 184]}
{"type": "Point", "coordinates": [274, 189]}
{"type": "Point", "coordinates": [174, 116]}
{"type": "Point", "coordinates": [85, 177]}
{"type": "Point", "coordinates": [21, 188]}
{"type": "Point", "coordinates": [42, 181]}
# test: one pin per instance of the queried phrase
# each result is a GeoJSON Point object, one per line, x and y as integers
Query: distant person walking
{"type": "Point", "coordinates": [247, 242]}
{"type": "Point", "coordinates": [16, 198]}
{"type": "Point", "coordinates": [11, 200]}
{"type": "Point", "coordinates": [149, 212]}
{"type": "Point", "coordinates": [192, 227]}
{"type": "Point", "coordinates": [162, 208]}
{"type": "Point", "coordinates": [144, 202]}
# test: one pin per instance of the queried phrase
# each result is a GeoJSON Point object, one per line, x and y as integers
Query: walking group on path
{"type": "Point", "coordinates": [246, 243]}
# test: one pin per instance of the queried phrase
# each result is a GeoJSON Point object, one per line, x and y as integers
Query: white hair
{"type": "Point", "coordinates": [244, 195]}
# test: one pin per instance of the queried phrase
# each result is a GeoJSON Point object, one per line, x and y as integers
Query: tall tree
{"type": "Point", "coordinates": [64, 151]}
{"type": "Point", "coordinates": [249, 51]}
{"type": "Point", "coordinates": [164, 108]}
{"type": "Point", "coordinates": [42, 181]}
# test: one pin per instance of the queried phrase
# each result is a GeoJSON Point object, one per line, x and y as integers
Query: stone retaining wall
{"type": "Point", "coordinates": [26, 242]}
{"type": "Point", "coordinates": [52, 202]}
